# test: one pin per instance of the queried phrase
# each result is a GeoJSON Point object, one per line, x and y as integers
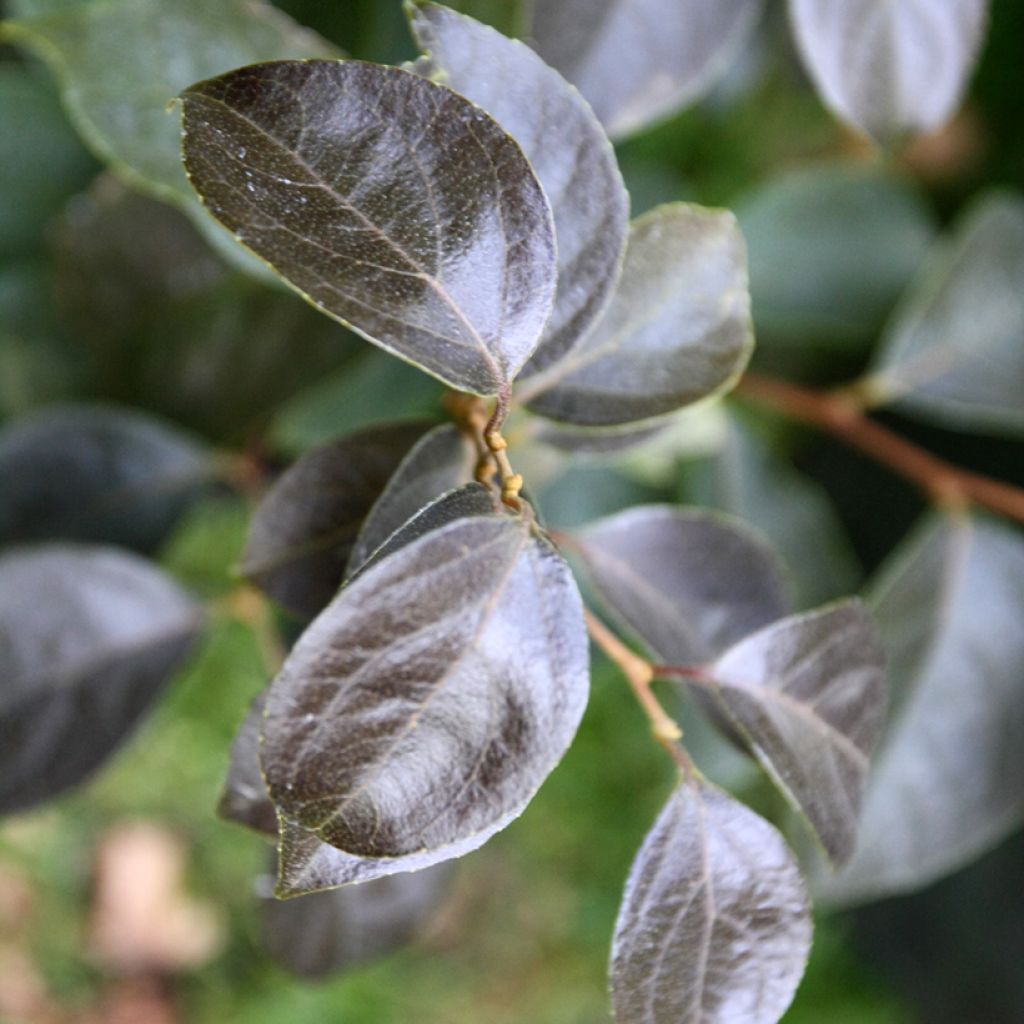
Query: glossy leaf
{"type": "Point", "coordinates": [327, 933]}
{"type": "Point", "coordinates": [96, 473]}
{"type": "Point", "coordinates": [948, 781]}
{"type": "Point", "coordinates": [640, 62]}
{"type": "Point", "coordinates": [954, 352]}
{"type": "Point", "coordinates": [714, 927]}
{"type": "Point", "coordinates": [889, 67]}
{"type": "Point", "coordinates": [751, 478]}
{"type": "Point", "coordinates": [399, 723]}
{"type": "Point", "coordinates": [808, 696]}
{"type": "Point", "coordinates": [120, 105]}
{"type": "Point", "coordinates": [566, 147]}
{"type": "Point", "coordinates": [245, 798]}
{"type": "Point", "coordinates": [88, 638]}
{"type": "Point", "coordinates": [303, 531]}
{"type": "Point", "coordinates": [389, 202]}
{"type": "Point", "coordinates": [440, 461]}
{"type": "Point", "coordinates": [688, 583]}
{"type": "Point", "coordinates": [831, 249]}
{"type": "Point", "coordinates": [168, 325]}
{"type": "Point", "coordinates": [677, 329]}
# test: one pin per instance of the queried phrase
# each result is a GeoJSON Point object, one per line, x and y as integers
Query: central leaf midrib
{"type": "Point", "coordinates": [319, 182]}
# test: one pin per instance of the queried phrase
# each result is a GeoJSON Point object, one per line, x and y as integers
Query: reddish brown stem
{"type": "Point", "coordinates": [838, 414]}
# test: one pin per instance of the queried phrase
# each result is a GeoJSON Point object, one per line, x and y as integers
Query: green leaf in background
{"type": "Point", "coordinates": [808, 696]}
{"type": "Point", "coordinates": [566, 147]}
{"type": "Point", "coordinates": [88, 638]}
{"type": "Point", "coordinates": [302, 532]}
{"type": "Point", "coordinates": [831, 248]}
{"type": "Point", "coordinates": [890, 67]}
{"type": "Point", "coordinates": [954, 351]}
{"type": "Point", "coordinates": [640, 62]}
{"type": "Point", "coordinates": [440, 461]}
{"type": "Point", "coordinates": [121, 62]}
{"type": "Point", "coordinates": [96, 473]}
{"type": "Point", "coordinates": [750, 478]}
{"type": "Point", "coordinates": [948, 781]}
{"type": "Point", "coordinates": [399, 724]}
{"type": "Point", "coordinates": [714, 926]}
{"type": "Point", "coordinates": [43, 162]}
{"type": "Point", "coordinates": [388, 202]}
{"type": "Point", "coordinates": [170, 327]}
{"type": "Point", "coordinates": [688, 583]}
{"type": "Point", "coordinates": [676, 331]}
{"type": "Point", "coordinates": [327, 933]}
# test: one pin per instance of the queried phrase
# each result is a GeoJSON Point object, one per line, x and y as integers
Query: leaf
{"type": "Point", "coordinates": [327, 933]}
{"type": "Point", "coordinates": [245, 798]}
{"type": "Point", "coordinates": [566, 147]}
{"type": "Point", "coordinates": [888, 67]}
{"type": "Point", "coordinates": [96, 473]}
{"type": "Point", "coordinates": [677, 330]}
{"type": "Point", "coordinates": [948, 781]}
{"type": "Point", "coordinates": [808, 696]}
{"type": "Point", "coordinates": [120, 105]}
{"type": "Point", "coordinates": [167, 324]}
{"type": "Point", "coordinates": [831, 248]}
{"type": "Point", "coordinates": [400, 724]}
{"type": "Point", "coordinates": [88, 638]}
{"type": "Point", "coordinates": [302, 533]}
{"type": "Point", "coordinates": [440, 461]}
{"type": "Point", "coordinates": [752, 479]}
{"type": "Point", "coordinates": [714, 926]}
{"type": "Point", "coordinates": [954, 352]}
{"type": "Point", "coordinates": [387, 201]}
{"type": "Point", "coordinates": [510, 17]}
{"type": "Point", "coordinates": [688, 583]}
{"type": "Point", "coordinates": [639, 62]}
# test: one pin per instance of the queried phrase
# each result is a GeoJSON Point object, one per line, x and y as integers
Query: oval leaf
{"type": "Point", "coordinates": [807, 694]}
{"type": "Point", "coordinates": [88, 638]}
{"type": "Point", "coordinates": [948, 781]}
{"type": "Point", "coordinates": [954, 353]}
{"type": "Point", "coordinates": [440, 461]}
{"type": "Point", "coordinates": [389, 202]}
{"type": "Point", "coordinates": [677, 330]}
{"type": "Point", "coordinates": [890, 66]}
{"type": "Point", "coordinates": [97, 474]}
{"type": "Point", "coordinates": [400, 723]}
{"type": "Point", "coordinates": [302, 533]}
{"type": "Point", "coordinates": [689, 584]}
{"type": "Point", "coordinates": [566, 147]}
{"type": "Point", "coordinates": [714, 926]}
{"type": "Point", "coordinates": [639, 62]}
{"type": "Point", "coordinates": [331, 932]}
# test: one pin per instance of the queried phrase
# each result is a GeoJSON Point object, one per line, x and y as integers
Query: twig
{"type": "Point", "coordinates": [839, 414]}
{"type": "Point", "coordinates": [639, 674]}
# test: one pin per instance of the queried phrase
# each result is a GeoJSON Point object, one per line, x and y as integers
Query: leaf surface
{"type": "Point", "coordinates": [96, 473]}
{"type": "Point", "coordinates": [388, 202]}
{"type": "Point", "coordinates": [88, 638]}
{"type": "Point", "coordinates": [331, 932]}
{"type": "Point", "coordinates": [400, 724]}
{"type": "Point", "coordinates": [640, 62]}
{"type": "Point", "coordinates": [954, 352]}
{"type": "Point", "coordinates": [566, 146]}
{"type": "Point", "coordinates": [948, 781]}
{"type": "Point", "coordinates": [677, 330]}
{"type": "Point", "coordinates": [688, 583]}
{"type": "Point", "coordinates": [120, 105]}
{"type": "Point", "coordinates": [244, 798]}
{"type": "Point", "coordinates": [889, 67]}
{"type": "Point", "coordinates": [714, 927]}
{"type": "Point", "coordinates": [808, 696]}
{"type": "Point", "coordinates": [302, 533]}
{"type": "Point", "coordinates": [440, 461]}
